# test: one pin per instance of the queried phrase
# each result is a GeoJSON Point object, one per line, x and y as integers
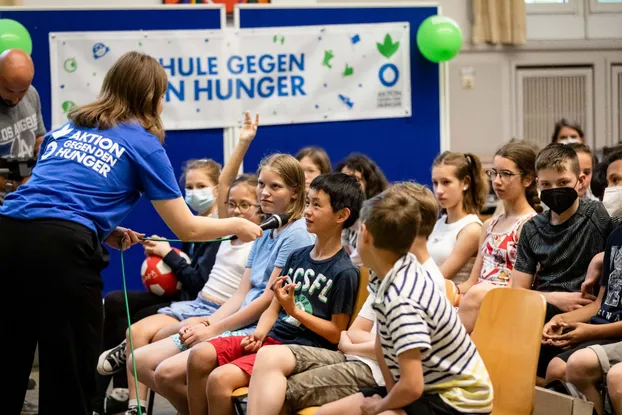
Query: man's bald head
{"type": "Point", "coordinates": [16, 73]}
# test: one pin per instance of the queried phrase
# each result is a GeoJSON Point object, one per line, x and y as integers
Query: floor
{"type": "Point", "coordinates": [162, 407]}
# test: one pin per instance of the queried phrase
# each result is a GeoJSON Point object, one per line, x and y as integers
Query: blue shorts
{"type": "Point", "coordinates": [182, 310]}
{"type": "Point", "coordinates": [243, 332]}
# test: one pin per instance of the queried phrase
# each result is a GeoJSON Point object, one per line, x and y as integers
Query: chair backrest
{"type": "Point", "coordinates": [361, 294]}
{"type": "Point", "coordinates": [507, 334]}
{"type": "Point", "coordinates": [451, 291]}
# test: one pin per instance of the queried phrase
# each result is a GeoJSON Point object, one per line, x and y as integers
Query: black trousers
{"type": "Point", "coordinates": [51, 270]}
{"type": "Point", "coordinates": [141, 304]}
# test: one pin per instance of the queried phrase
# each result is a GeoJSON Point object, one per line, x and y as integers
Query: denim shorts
{"type": "Point", "coordinates": [182, 310]}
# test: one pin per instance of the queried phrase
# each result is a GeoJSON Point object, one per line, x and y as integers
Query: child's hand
{"type": "Point", "coordinates": [344, 342]}
{"type": "Point", "coordinates": [195, 334]}
{"type": "Point", "coordinates": [370, 406]}
{"type": "Point", "coordinates": [249, 128]}
{"type": "Point", "coordinates": [157, 248]}
{"type": "Point", "coordinates": [285, 295]}
{"type": "Point", "coordinates": [553, 328]}
{"type": "Point", "coordinates": [576, 333]}
{"type": "Point", "coordinates": [569, 301]}
{"type": "Point", "coordinates": [252, 342]}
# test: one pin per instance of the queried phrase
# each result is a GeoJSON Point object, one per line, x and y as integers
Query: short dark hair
{"type": "Point", "coordinates": [564, 122]}
{"type": "Point", "coordinates": [374, 178]}
{"type": "Point", "coordinates": [343, 192]}
{"type": "Point", "coordinates": [393, 219]}
{"type": "Point", "coordinates": [555, 156]}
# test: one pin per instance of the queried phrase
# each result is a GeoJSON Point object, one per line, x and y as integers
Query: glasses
{"type": "Point", "coordinates": [505, 175]}
{"type": "Point", "coordinates": [243, 206]}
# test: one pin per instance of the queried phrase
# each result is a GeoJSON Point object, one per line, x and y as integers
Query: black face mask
{"type": "Point", "coordinates": [560, 199]}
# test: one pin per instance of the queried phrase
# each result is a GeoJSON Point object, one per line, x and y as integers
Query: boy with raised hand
{"type": "Point", "coordinates": [317, 296]}
{"type": "Point", "coordinates": [429, 364]}
{"type": "Point", "coordinates": [556, 246]}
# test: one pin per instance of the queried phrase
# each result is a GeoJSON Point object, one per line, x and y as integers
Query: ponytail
{"type": "Point", "coordinates": [475, 198]}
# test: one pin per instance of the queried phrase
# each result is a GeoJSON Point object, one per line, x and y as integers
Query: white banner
{"type": "Point", "coordinates": [288, 75]}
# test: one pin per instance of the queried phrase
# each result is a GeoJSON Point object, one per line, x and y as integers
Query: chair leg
{"type": "Point", "coordinates": [151, 403]}
{"type": "Point", "coordinates": [239, 403]}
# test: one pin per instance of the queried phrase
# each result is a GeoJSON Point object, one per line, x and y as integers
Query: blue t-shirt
{"type": "Point", "coordinates": [268, 252]}
{"type": "Point", "coordinates": [94, 177]}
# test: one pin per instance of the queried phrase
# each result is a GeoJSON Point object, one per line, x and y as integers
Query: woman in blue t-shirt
{"type": "Point", "coordinates": [90, 174]}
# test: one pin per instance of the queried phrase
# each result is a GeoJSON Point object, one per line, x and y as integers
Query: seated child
{"type": "Point", "coordinates": [587, 368]}
{"type": "Point", "coordinates": [429, 364]}
{"type": "Point", "coordinates": [513, 178]}
{"type": "Point", "coordinates": [280, 190]}
{"type": "Point", "coordinates": [572, 331]}
{"type": "Point", "coordinates": [461, 188]}
{"type": "Point", "coordinates": [321, 376]}
{"type": "Point", "coordinates": [556, 246]}
{"type": "Point", "coordinates": [317, 295]}
{"type": "Point", "coordinates": [372, 180]}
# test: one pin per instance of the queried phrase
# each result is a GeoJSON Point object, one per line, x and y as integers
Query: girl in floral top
{"type": "Point", "coordinates": [513, 178]}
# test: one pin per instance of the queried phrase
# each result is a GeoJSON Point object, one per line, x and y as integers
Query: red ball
{"type": "Point", "coordinates": [158, 277]}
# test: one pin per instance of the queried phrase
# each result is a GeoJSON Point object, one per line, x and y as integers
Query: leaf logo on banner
{"type": "Point", "coordinates": [70, 65]}
{"type": "Point", "coordinates": [68, 105]}
{"type": "Point", "coordinates": [348, 71]}
{"type": "Point", "coordinates": [388, 48]}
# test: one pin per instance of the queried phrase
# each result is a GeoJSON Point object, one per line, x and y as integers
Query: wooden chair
{"type": "Point", "coordinates": [451, 291]}
{"type": "Point", "coordinates": [361, 297]}
{"type": "Point", "coordinates": [507, 334]}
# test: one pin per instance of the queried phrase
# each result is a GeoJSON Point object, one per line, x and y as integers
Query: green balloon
{"type": "Point", "coordinates": [439, 38]}
{"type": "Point", "coordinates": [13, 35]}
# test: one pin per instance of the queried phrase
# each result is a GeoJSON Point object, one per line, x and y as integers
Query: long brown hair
{"type": "Point", "coordinates": [524, 157]}
{"type": "Point", "coordinates": [290, 170]}
{"type": "Point", "coordinates": [132, 90]}
{"type": "Point", "coordinates": [467, 167]}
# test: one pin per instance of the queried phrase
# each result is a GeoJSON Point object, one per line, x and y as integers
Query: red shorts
{"type": "Point", "coordinates": [228, 350]}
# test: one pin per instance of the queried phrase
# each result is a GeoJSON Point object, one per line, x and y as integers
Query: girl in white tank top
{"type": "Point", "coordinates": [460, 187]}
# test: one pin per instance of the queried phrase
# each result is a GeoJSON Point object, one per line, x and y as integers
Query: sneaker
{"type": "Point", "coordinates": [112, 361]}
{"type": "Point", "coordinates": [134, 410]}
{"type": "Point", "coordinates": [116, 402]}
{"type": "Point", "coordinates": [29, 408]}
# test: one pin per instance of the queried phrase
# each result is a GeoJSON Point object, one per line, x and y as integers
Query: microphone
{"type": "Point", "coordinates": [273, 222]}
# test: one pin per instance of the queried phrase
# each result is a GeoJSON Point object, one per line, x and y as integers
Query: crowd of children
{"type": "Point", "coordinates": [276, 314]}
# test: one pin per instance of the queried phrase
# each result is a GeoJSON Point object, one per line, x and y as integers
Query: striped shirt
{"type": "Point", "coordinates": [413, 314]}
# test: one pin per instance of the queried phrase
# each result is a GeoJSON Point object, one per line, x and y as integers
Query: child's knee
{"type": "Point", "coordinates": [614, 379]}
{"type": "Point", "coordinates": [556, 369]}
{"type": "Point", "coordinates": [583, 368]}
{"type": "Point", "coordinates": [169, 371]}
{"type": "Point", "coordinates": [275, 358]}
{"type": "Point", "coordinates": [201, 358]}
{"type": "Point", "coordinates": [220, 382]}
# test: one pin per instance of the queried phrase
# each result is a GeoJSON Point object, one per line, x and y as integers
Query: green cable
{"type": "Point", "coordinates": [129, 326]}
{"type": "Point", "coordinates": [127, 305]}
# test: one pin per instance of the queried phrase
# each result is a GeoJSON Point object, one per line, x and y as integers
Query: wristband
{"type": "Point", "coordinates": [206, 322]}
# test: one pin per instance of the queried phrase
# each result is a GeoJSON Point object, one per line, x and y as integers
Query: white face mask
{"type": "Point", "coordinates": [613, 200]}
{"type": "Point", "coordinates": [200, 200]}
{"type": "Point", "coordinates": [569, 140]}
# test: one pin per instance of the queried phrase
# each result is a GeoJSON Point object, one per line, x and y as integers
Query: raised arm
{"type": "Point", "coordinates": [232, 166]}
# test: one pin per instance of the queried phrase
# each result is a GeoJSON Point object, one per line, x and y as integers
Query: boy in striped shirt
{"type": "Point", "coordinates": [428, 361]}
